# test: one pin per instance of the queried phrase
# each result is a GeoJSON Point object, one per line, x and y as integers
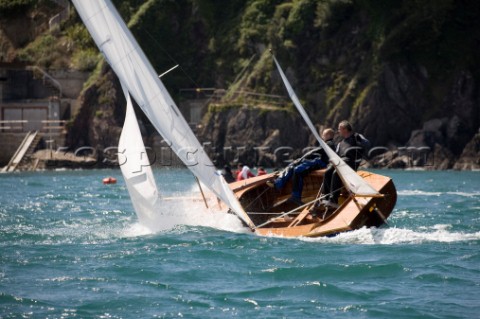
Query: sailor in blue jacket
{"type": "Point", "coordinates": [313, 160]}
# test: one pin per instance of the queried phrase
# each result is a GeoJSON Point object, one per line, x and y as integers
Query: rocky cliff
{"type": "Point", "coordinates": [254, 135]}
{"type": "Point", "coordinates": [98, 125]}
{"type": "Point", "coordinates": [405, 73]}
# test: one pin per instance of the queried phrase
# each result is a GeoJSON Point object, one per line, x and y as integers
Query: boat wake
{"type": "Point", "coordinates": [392, 236]}
{"type": "Point", "coordinates": [425, 193]}
{"type": "Point", "coordinates": [179, 210]}
{"type": "Point", "coordinates": [186, 213]}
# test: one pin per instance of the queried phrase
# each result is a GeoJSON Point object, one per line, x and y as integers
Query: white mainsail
{"type": "Point", "coordinates": [135, 167]}
{"type": "Point", "coordinates": [132, 67]}
{"type": "Point", "coordinates": [351, 179]}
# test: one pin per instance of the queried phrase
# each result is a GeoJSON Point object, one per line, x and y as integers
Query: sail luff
{"type": "Point", "coordinates": [352, 180]}
{"type": "Point", "coordinates": [132, 67]}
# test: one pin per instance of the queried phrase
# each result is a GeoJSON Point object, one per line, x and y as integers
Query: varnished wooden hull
{"type": "Point", "coordinates": [264, 204]}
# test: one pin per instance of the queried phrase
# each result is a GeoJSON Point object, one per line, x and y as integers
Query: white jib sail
{"type": "Point", "coordinates": [352, 180]}
{"type": "Point", "coordinates": [135, 167]}
{"type": "Point", "coordinates": [132, 67]}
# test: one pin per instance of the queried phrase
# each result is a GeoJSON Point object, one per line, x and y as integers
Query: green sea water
{"type": "Point", "coordinates": [71, 247]}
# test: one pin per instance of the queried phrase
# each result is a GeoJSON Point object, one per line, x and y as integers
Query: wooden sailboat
{"type": "Point", "coordinates": [367, 201]}
{"type": "Point", "coordinates": [270, 208]}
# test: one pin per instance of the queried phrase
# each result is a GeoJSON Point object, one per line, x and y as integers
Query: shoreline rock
{"type": "Point", "coordinates": [470, 158]}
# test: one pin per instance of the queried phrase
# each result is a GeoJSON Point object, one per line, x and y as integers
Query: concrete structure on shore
{"type": "Point", "coordinates": [33, 99]}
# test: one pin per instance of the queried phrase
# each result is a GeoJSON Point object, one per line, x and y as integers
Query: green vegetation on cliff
{"type": "Point", "coordinates": [388, 66]}
{"type": "Point", "coordinates": [8, 7]}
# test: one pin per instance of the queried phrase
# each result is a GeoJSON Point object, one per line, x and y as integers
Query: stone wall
{"type": "Point", "coordinates": [71, 81]}
{"type": "Point", "coordinates": [9, 142]}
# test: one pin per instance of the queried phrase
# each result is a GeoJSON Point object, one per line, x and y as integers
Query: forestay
{"type": "Point", "coordinates": [130, 64]}
{"type": "Point", "coordinates": [351, 179]}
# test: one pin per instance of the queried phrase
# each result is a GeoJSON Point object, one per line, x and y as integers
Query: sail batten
{"type": "Point", "coordinates": [355, 184]}
{"type": "Point", "coordinates": [135, 72]}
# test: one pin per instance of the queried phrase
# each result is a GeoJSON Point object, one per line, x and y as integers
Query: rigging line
{"type": "Point", "coordinates": [295, 209]}
{"type": "Point", "coordinates": [320, 190]}
{"type": "Point", "coordinates": [170, 57]}
{"type": "Point", "coordinates": [262, 213]}
{"type": "Point", "coordinates": [255, 199]}
{"type": "Point", "coordinates": [244, 69]}
{"type": "Point", "coordinates": [290, 212]}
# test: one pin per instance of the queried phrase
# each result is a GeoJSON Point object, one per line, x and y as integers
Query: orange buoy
{"type": "Point", "coordinates": [109, 180]}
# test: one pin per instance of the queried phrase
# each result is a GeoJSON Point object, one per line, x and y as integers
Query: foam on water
{"type": "Point", "coordinates": [136, 229]}
{"type": "Point", "coordinates": [82, 252]}
{"type": "Point", "coordinates": [391, 236]}
{"type": "Point", "coordinates": [186, 208]}
{"type": "Point", "coordinates": [417, 192]}
{"type": "Point", "coordinates": [185, 213]}
{"type": "Point", "coordinates": [180, 209]}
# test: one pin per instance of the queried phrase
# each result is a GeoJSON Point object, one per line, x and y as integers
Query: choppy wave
{"type": "Point", "coordinates": [363, 236]}
{"type": "Point", "coordinates": [77, 249]}
{"type": "Point", "coordinates": [188, 213]}
{"type": "Point", "coordinates": [426, 193]}
{"type": "Point", "coordinates": [390, 236]}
